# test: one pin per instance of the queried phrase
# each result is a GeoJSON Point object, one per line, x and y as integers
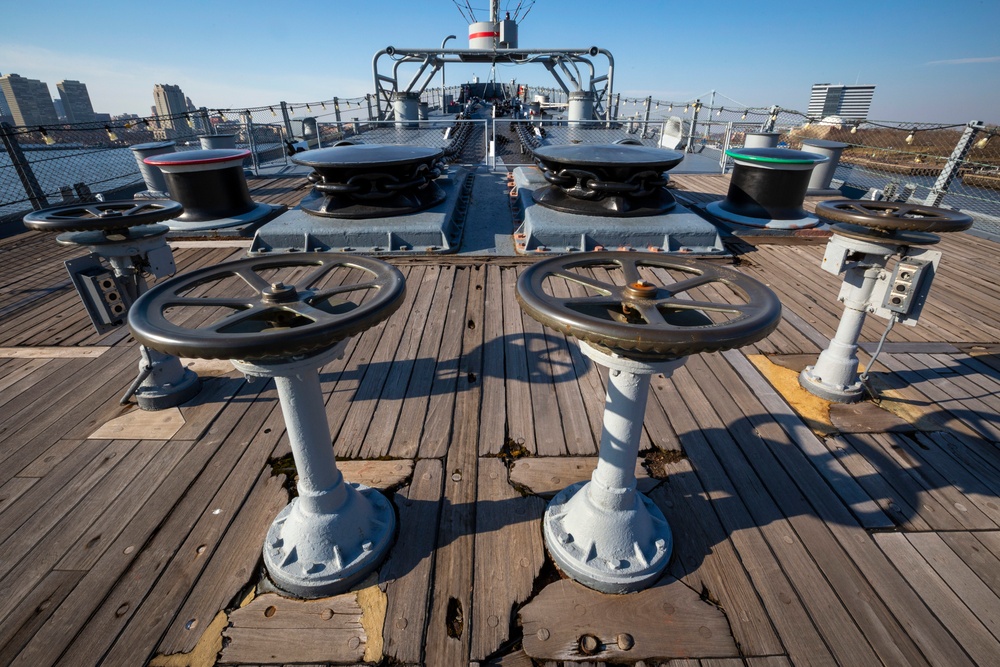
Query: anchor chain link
{"type": "Point", "coordinates": [583, 184]}
{"type": "Point", "coordinates": [381, 185]}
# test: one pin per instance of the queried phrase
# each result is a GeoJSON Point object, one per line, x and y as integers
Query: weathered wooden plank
{"type": "Point", "coordinates": [975, 643]}
{"type": "Point", "coordinates": [976, 595]}
{"type": "Point", "coordinates": [547, 476]}
{"type": "Point", "coordinates": [385, 421]}
{"type": "Point", "coordinates": [753, 395]}
{"type": "Point", "coordinates": [211, 500]}
{"type": "Point", "coordinates": [29, 555]}
{"type": "Point", "coordinates": [934, 347]}
{"type": "Point", "coordinates": [769, 661]}
{"type": "Point", "coordinates": [890, 590]}
{"type": "Point", "coordinates": [947, 409]}
{"type": "Point", "coordinates": [801, 542]}
{"type": "Point", "coordinates": [578, 434]}
{"type": "Point", "coordinates": [706, 560]}
{"type": "Point", "coordinates": [276, 630]}
{"type": "Point", "coordinates": [516, 659]}
{"type": "Point", "coordinates": [100, 532]}
{"type": "Point", "coordinates": [406, 441]}
{"type": "Point", "coordinates": [12, 490]}
{"type": "Point", "coordinates": [231, 567]}
{"type": "Point", "coordinates": [54, 412]}
{"type": "Point", "coordinates": [981, 552]}
{"type": "Point", "coordinates": [33, 611]}
{"type": "Point", "coordinates": [668, 620]}
{"type": "Point", "coordinates": [36, 394]}
{"type": "Point", "coordinates": [48, 501]}
{"type": "Point", "coordinates": [589, 375]}
{"type": "Point", "coordinates": [358, 419]}
{"type": "Point", "coordinates": [898, 508]}
{"type": "Point", "coordinates": [962, 507]}
{"type": "Point", "coordinates": [449, 378]}
{"type": "Point", "coordinates": [509, 555]}
{"type": "Point", "coordinates": [866, 417]}
{"type": "Point", "coordinates": [198, 551]}
{"type": "Point", "coordinates": [15, 370]}
{"type": "Point", "coordinates": [376, 474]}
{"type": "Point", "coordinates": [201, 411]}
{"type": "Point", "coordinates": [520, 409]}
{"type": "Point", "coordinates": [52, 352]}
{"type": "Point", "coordinates": [905, 491]}
{"type": "Point", "coordinates": [549, 437]}
{"type": "Point", "coordinates": [137, 424]}
{"type": "Point", "coordinates": [406, 575]}
{"type": "Point", "coordinates": [785, 608]}
{"type": "Point", "coordinates": [494, 419]}
{"type": "Point", "coordinates": [448, 636]}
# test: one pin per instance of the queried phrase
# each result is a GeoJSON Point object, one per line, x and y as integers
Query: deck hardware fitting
{"type": "Point", "coordinates": [768, 188]}
{"type": "Point", "coordinates": [604, 533]}
{"type": "Point", "coordinates": [866, 236]}
{"type": "Point", "coordinates": [126, 236]}
{"type": "Point", "coordinates": [334, 533]}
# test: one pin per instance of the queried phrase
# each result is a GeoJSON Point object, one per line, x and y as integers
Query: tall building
{"type": "Point", "coordinates": [29, 100]}
{"type": "Point", "coordinates": [839, 100]}
{"type": "Point", "coordinates": [76, 101]}
{"type": "Point", "coordinates": [4, 107]}
{"type": "Point", "coordinates": [170, 101]}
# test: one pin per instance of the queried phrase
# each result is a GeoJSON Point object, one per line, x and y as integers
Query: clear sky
{"type": "Point", "coordinates": [930, 60]}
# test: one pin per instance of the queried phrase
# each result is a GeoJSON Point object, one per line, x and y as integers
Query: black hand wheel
{"type": "Point", "coordinates": [892, 216]}
{"type": "Point", "coordinates": [636, 317]}
{"type": "Point", "coordinates": [330, 297]}
{"type": "Point", "coordinates": [102, 215]}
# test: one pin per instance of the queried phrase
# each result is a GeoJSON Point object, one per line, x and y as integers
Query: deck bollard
{"type": "Point", "coordinates": [822, 175]}
{"type": "Point", "coordinates": [604, 533]}
{"type": "Point", "coordinates": [867, 235]}
{"type": "Point", "coordinates": [156, 185]}
{"type": "Point", "coordinates": [768, 188]}
{"type": "Point", "coordinates": [287, 326]}
{"type": "Point", "coordinates": [122, 235]}
{"type": "Point", "coordinates": [211, 186]}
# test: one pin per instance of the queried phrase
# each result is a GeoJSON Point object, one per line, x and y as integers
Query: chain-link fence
{"type": "Point", "coordinates": [956, 165]}
{"type": "Point", "coordinates": [951, 165]}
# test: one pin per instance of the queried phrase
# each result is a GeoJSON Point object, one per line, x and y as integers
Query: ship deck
{"type": "Point", "coordinates": [804, 534]}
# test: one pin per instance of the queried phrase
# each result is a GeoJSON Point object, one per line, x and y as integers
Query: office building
{"type": "Point", "coordinates": [29, 100]}
{"type": "Point", "coordinates": [171, 107]}
{"type": "Point", "coordinates": [4, 107]}
{"type": "Point", "coordinates": [852, 102]}
{"type": "Point", "coordinates": [76, 102]}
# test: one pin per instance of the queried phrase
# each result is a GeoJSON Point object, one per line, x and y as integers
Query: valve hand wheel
{"type": "Point", "coordinates": [893, 216]}
{"type": "Point", "coordinates": [329, 297]}
{"type": "Point", "coordinates": [102, 216]}
{"type": "Point", "coordinates": [637, 317]}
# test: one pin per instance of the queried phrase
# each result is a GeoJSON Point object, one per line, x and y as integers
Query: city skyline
{"type": "Point", "coordinates": [929, 64]}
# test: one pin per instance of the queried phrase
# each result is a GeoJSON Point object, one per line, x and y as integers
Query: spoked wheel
{"type": "Point", "coordinates": [893, 216]}
{"type": "Point", "coordinates": [641, 318]}
{"type": "Point", "coordinates": [102, 216]}
{"type": "Point", "coordinates": [275, 320]}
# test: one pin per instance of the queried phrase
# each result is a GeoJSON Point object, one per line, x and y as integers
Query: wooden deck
{"type": "Point", "coordinates": [804, 535]}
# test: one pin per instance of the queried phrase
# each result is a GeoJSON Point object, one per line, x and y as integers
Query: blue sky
{"type": "Point", "coordinates": [931, 61]}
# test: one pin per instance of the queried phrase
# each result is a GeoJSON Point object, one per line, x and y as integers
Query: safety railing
{"type": "Point", "coordinates": [47, 165]}
{"type": "Point", "coordinates": [955, 165]}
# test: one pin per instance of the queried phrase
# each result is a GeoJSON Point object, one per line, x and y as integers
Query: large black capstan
{"type": "Point", "coordinates": [620, 180]}
{"type": "Point", "coordinates": [358, 181]}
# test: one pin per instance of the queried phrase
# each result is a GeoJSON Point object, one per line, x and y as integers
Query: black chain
{"type": "Point", "coordinates": [378, 185]}
{"type": "Point", "coordinates": [582, 184]}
